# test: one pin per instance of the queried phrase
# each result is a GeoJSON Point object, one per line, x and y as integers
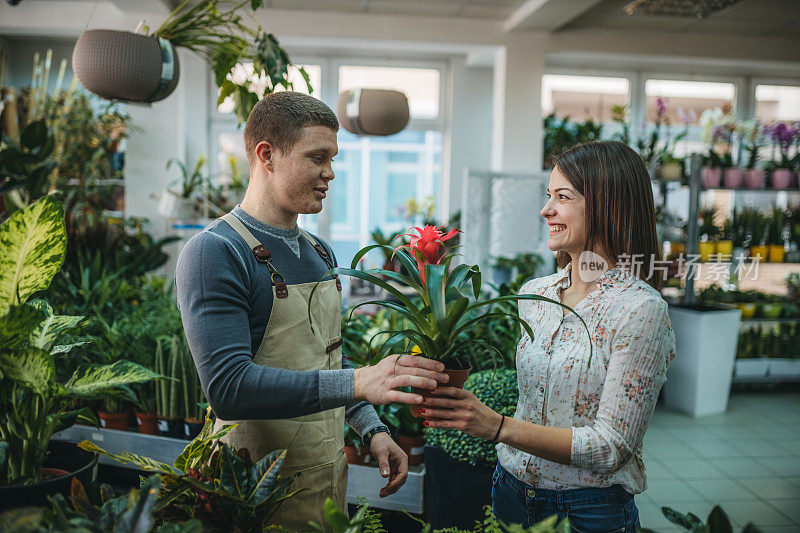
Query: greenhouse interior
{"type": "Point", "coordinates": [400, 265]}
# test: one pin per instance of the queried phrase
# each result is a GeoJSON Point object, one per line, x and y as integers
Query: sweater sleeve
{"type": "Point", "coordinates": [211, 281]}
{"type": "Point", "coordinates": [641, 350]}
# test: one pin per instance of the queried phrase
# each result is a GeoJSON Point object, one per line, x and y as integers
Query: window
{"type": "Point", "coordinates": [775, 103]}
{"type": "Point", "coordinates": [583, 97]}
{"type": "Point", "coordinates": [685, 101]}
{"type": "Point", "coordinates": [244, 71]}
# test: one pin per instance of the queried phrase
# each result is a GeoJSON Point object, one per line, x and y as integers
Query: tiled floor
{"type": "Point", "coordinates": [747, 460]}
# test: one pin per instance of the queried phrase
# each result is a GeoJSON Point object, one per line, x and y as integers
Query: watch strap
{"type": "Point", "coordinates": [367, 437]}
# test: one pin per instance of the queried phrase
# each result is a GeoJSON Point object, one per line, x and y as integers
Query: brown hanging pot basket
{"type": "Point", "coordinates": [126, 66]}
{"type": "Point", "coordinates": [372, 111]}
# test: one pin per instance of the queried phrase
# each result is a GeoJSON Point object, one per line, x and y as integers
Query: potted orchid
{"type": "Point", "coordinates": [784, 136]}
{"type": "Point", "coordinates": [718, 125]}
{"type": "Point", "coordinates": [669, 167]}
{"type": "Point", "coordinates": [442, 312]}
{"type": "Point", "coordinates": [750, 133]}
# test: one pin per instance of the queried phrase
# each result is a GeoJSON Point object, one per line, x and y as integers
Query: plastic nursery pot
{"type": "Point", "coordinates": [758, 253]}
{"type": "Point", "coordinates": [706, 250]}
{"type": "Point", "coordinates": [191, 427]}
{"type": "Point", "coordinates": [170, 427]}
{"type": "Point", "coordinates": [711, 177]}
{"type": "Point", "coordinates": [413, 446]}
{"type": "Point", "coordinates": [771, 311]}
{"type": "Point", "coordinates": [776, 253]}
{"type": "Point", "coordinates": [734, 177]}
{"type": "Point", "coordinates": [354, 457]}
{"type": "Point", "coordinates": [725, 247]}
{"type": "Point", "coordinates": [458, 377]}
{"type": "Point", "coordinates": [147, 423]}
{"type": "Point", "coordinates": [748, 310]}
{"type": "Point", "coordinates": [65, 461]}
{"type": "Point", "coordinates": [755, 178]}
{"type": "Point", "coordinates": [782, 178]}
{"type": "Point", "coordinates": [113, 420]}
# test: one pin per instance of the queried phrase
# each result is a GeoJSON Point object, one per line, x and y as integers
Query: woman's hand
{"type": "Point", "coordinates": [461, 411]}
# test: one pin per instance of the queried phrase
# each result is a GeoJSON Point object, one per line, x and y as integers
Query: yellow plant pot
{"type": "Point", "coordinates": [725, 248]}
{"type": "Point", "coordinates": [758, 253]}
{"type": "Point", "coordinates": [748, 310]}
{"type": "Point", "coordinates": [706, 250]}
{"type": "Point", "coordinates": [776, 253]}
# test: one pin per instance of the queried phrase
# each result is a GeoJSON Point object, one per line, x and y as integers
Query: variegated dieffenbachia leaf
{"type": "Point", "coordinates": [32, 368]}
{"type": "Point", "coordinates": [51, 328]}
{"type": "Point", "coordinates": [33, 244]}
{"type": "Point", "coordinates": [144, 463]}
{"type": "Point", "coordinates": [17, 325]}
{"type": "Point", "coordinates": [92, 381]}
{"type": "Point", "coordinates": [66, 348]}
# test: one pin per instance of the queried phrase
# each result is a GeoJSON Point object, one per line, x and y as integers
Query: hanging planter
{"type": "Point", "coordinates": [372, 111]}
{"type": "Point", "coordinates": [126, 66]}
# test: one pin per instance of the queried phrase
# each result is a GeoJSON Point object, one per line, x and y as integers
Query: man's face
{"type": "Point", "coordinates": [300, 175]}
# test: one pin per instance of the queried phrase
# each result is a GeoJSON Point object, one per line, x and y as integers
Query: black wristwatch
{"type": "Point", "coordinates": [366, 437]}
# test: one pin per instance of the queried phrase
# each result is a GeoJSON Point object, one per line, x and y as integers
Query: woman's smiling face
{"type": "Point", "coordinates": [565, 212]}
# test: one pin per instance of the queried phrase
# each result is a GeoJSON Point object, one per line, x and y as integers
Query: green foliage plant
{"type": "Point", "coordinates": [34, 404]}
{"type": "Point", "coordinates": [25, 166]}
{"type": "Point", "coordinates": [215, 30]}
{"type": "Point", "coordinates": [215, 483]}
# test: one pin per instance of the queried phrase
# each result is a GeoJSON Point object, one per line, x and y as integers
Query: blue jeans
{"type": "Point", "coordinates": [589, 510]}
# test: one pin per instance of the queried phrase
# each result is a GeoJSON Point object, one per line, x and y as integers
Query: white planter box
{"type": "Point", "coordinates": [751, 368]}
{"type": "Point", "coordinates": [177, 207]}
{"type": "Point", "coordinates": [784, 368]}
{"type": "Point", "coordinates": [366, 482]}
{"type": "Point", "coordinates": [699, 379]}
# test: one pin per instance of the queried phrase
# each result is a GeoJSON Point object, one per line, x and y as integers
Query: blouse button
{"type": "Point", "coordinates": [531, 493]}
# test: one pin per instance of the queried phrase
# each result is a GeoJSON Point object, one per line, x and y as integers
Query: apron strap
{"type": "Point", "coordinates": [261, 252]}
{"type": "Point", "coordinates": [324, 255]}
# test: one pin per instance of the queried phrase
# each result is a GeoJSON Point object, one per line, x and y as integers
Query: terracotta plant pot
{"type": "Point", "coordinates": [725, 247]}
{"type": "Point", "coordinates": [758, 253]}
{"type": "Point", "coordinates": [782, 178]}
{"type": "Point", "coordinates": [113, 420]}
{"type": "Point", "coordinates": [706, 250]}
{"type": "Point", "coordinates": [147, 423]}
{"type": "Point", "coordinates": [776, 253]}
{"type": "Point", "coordinates": [733, 177]}
{"type": "Point", "coordinates": [755, 179]}
{"type": "Point", "coordinates": [711, 177]}
{"type": "Point", "coordinates": [354, 457]}
{"type": "Point", "coordinates": [413, 446]}
{"type": "Point", "coordinates": [457, 379]}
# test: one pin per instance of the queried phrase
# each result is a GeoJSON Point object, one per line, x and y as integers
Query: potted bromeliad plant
{"type": "Point", "coordinates": [441, 314]}
{"type": "Point", "coordinates": [34, 403]}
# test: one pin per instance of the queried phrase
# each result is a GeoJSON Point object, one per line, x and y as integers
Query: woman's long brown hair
{"type": "Point", "coordinates": [620, 212]}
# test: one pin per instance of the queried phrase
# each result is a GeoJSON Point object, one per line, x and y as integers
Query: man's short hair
{"type": "Point", "coordinates": [280, 117]}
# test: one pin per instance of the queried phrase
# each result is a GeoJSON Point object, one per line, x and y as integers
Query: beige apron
{"type": "Point", "coordinates": [315, 442]}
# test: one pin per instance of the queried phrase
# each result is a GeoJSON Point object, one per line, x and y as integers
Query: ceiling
{"type": "Point", "coordinates": [755, 18]}
{"type": "Point", "coordinates": [491, 9]}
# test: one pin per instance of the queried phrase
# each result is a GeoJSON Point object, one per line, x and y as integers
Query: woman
{"type": "Point", "coordinates": [574, 446]}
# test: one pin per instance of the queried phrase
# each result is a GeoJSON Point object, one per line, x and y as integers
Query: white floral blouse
{"type": "Point", "coordinates": [608, 404]}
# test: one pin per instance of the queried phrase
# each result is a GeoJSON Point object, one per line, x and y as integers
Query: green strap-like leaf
{"type": "Point", "coordinates": [413, 314]}
{"type": "Point", "coordinates": [92, 381]}
{"type": "Point", "coordinates": [144, 463]}
{"type": "Point", "coordinates": [263, 475]}
{"type": "Point", "coordinates": [32, 368]}
{"type": "Point", "coordinates": [140, 519]}
{"type": "Point", "coordinates": [718, 521]}
{"type": "Point", "coordinates": [233, 473]}
{"type": "Point", "coordinates": [497, 314]}
{"type": "Point", "coordinates": [33, 244]}
{"type": "Point", "coordinates": [435, 284]}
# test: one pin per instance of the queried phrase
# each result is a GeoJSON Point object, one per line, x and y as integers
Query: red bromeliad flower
{"type": "Point", "coordinates": [428, 247]}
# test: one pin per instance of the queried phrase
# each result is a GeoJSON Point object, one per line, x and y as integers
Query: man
{"type": "Point", "coordinates": [243, 288]}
